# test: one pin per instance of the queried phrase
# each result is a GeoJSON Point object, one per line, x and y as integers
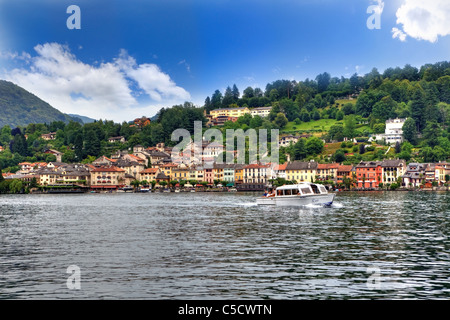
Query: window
{"type": "Point", "coordinates": [306, 190]}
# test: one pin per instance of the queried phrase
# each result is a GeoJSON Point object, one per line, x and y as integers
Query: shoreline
{"type": "Point", "coordinates": [447, 189]}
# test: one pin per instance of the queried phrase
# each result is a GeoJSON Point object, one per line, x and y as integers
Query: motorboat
{"type": "Point", "coordinates": [301, 194]}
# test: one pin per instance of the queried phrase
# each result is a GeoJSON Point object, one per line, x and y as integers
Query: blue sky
{"type": "Point", "coordinates": [131, 58]}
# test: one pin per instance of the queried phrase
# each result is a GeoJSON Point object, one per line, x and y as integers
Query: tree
{"type": "Point", "coordinates": [339, 115]}
{"type": "Point", "coordinates": [135, 184]}
{"type": "Point", "coordinates": [208, 104]}
{"type": "Point", "coordinates": [362, 148]}
{"type": "Point", "coordinates": [1, 175]}
{"type": "Point", "coordinates": [314, 145]}
{"type": "Point", "coordinates": [336, 132]}
{"type": "Point", "coordinates": [417, 107]}
{"type": "Point", "coordinates": [323, 81]}
{"type": "Point", "coordinates": [409, 131]}
{"type": "Point", "coordinates": [379, 127]}
{"type": "Point", "coordinates": [339, 156]}
{"type": "Point", "coordinates": [431, 133]}
{"type": "Point", "coordinates": [397, 147]}
{"type": "Point", "coordinates": [364, 105]}
{"type": "Point", "coordinates": [78, 146]}
{"type": "Point", "coordinates": [350, 127]}
{"type": "Point", "coordinates": [228, 97]}
{"type": "Point", "coordinates": [300, 151]}
{"type": "Point", "coordinates": [248, 93]}
{"type": "Point", "coordinates": [348, 108]}
{"type": "Point", "coordinates": [281, 120]}
{"type": "Point", "coordinates": [19, 145]}
{"type": "Point", "coordinates": [216, 100]}
{"type": "Point", "coordinates": [235, 92]}
{"type": "Point", "coordinates": [384, 109]}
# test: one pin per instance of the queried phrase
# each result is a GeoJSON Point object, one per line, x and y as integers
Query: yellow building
{"type": "Point", "coordinates": [301, 171]}
{"type": "Point", "coordinates": [180, 174]}
{"type": "Point", "coordinates": [239, 174]}
{"type": "Point", "coordinates": [148, 174]}
{"type": "Point", "coordinates": [218, 172]}
{"type": "Point", "coordinates": [327, 171]}
{"type": "Point", "coordinates": [229, 112]}
{"type": "Point", "coordinates": [197, 173]}
{"type": "Point", "coordinates": [167, 169]}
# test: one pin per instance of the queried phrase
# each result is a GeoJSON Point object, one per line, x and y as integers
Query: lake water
{"type": "Point", "coordinates": [388, 245]}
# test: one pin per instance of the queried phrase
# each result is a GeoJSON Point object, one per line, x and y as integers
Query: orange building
{"type": "Point", "coordinates": [369, 175]}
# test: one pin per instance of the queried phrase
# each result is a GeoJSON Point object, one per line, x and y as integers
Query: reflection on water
{"type": "Point", "coordinates": [222, 246]}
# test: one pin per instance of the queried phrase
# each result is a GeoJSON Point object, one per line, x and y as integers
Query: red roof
{"type": "Point", "coordinates": [322, 166]}
{"type": "Point", "coordinates": [107, 169]}
{"type": "Point", "coordinates": [136, 157]}
{"type": "Point", "coordinates": [345, 168]}
{"type": "Point", "coordinates": [281, 167]}
{"type": "Point", "coordinates": [150, 170]}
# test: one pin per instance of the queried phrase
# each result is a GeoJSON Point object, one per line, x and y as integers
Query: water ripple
{"type": "Point", "coordinates": [378, 245]}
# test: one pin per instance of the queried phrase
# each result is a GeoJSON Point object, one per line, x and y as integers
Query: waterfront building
{"type": "Point", "coordinates": [107, 178]}
{"type": "Point", "coordinates": [180, 174]}
{"type": "Point", "coordinates": [344, 172]}
{"type": "Point", "coordinates": [256, 174]}
{"type": "Point", "coordinates": [369, 174]}
{"type": "Point", "coordinates": [148, 174]}
{"type": "Point", "coordinates": [280, 171]}
{"type": "Point", "coordinates": [132, 168]}
{"type": "Point", "coordinates": [414, 175]}
{"type": "Point", "coordinates": [327, 171]}
{"type": "Point", "coordinates": [167, 169]}
{"type": "Point", "coordinates": [391, 170]}
{"type": "Point", "coordinates": [301, 171]}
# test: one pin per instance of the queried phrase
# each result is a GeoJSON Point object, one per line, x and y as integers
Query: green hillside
{"type": "Point", "coordinates": [19, 107]}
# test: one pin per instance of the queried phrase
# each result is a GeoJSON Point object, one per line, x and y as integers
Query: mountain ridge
{"type": "Point", "coordinates": [19, 107]}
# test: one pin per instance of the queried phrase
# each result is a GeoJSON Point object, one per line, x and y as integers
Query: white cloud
{"type": "Point", "coordinates": [397, 33]}
{"type": "Point", "coordinates": [102, 91]}
{"type": "Point", "coordinates": [423, 20]}
{"type": "Point", "coordinates": [151, 79]}
{"type": "Point", "coordinates": [187, 65]}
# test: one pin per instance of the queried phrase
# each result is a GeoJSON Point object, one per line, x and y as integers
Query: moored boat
{"type": "Point", "coordinates": [301, 194]}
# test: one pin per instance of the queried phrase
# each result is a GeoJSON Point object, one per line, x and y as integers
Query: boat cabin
{"type": "Point", "coordinates": [301, 189]}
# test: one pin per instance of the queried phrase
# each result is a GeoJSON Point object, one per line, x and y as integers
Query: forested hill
{"type": "Point", "coordinates": [19, 107]}
{"type": "Point", "coordinates": [420, 93]}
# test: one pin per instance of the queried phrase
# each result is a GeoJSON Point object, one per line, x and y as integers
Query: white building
{"type": "Point", "coordinates": [393, 132]}
{"type": "Point", "coordinates": [261, 111]}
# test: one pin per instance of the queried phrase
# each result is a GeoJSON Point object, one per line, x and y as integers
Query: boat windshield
{"type": "Point", "coordinates": [306, 190]}
{"type": "Point", "coordinates": [322, 189]}
{"type": "Point", "coordinates": [315, 188]}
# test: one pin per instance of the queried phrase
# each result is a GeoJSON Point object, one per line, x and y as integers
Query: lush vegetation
{"type": "Point", "coordinates": [327, 108]}
{"type": "Point", "coordinates": [19, 107]}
